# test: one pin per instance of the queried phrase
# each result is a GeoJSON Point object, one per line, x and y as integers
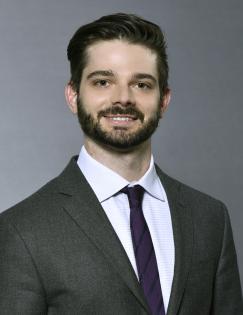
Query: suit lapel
{"type": "Point", "coordinates": [183, 239]}
{"type": "Point", "coordinates": [83, 206]}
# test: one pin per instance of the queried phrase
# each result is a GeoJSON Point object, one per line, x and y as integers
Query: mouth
{"type": "Point", "coordinates": [125, 120]}
{"type": "Point", "coordinates": [120, 117]}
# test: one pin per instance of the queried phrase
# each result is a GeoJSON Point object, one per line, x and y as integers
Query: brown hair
{"type": "Point", "coordinates": [129, 27]}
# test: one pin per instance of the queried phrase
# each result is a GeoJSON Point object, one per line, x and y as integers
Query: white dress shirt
{"type": "Point", "coordinates": [106, 183]}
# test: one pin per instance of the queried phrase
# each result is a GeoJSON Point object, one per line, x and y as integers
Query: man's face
{"type": "Point", "coordinates": [119, 103]}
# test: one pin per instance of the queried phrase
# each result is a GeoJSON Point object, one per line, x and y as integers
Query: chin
{"type": "Point", "coordinates": [121, 148]}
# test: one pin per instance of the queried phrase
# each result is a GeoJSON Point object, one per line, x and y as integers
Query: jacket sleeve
{"type": "Point", "coordinates": [227, 290]}
{"type": "Point", "coordinates": [21, 291]}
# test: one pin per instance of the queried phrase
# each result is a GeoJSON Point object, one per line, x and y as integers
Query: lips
{"type": "Point", "coordinates": [120, 117]}
{"type": "Point", "coordinates": [119, 114]}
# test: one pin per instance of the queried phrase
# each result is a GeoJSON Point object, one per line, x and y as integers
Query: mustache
{"type": "Point", "coordinates": [129, 110]}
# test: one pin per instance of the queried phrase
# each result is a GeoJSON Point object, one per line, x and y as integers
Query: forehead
{"type": "Point", "coordinates": [121, 57]}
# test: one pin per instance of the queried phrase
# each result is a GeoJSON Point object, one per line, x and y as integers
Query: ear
{"type": "Point", "coordinates": [71, 98]}
{"type": "Point", "coordinates": [165, 101]}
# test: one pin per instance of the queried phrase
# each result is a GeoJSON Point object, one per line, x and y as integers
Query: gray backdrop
{"type": "Point", "coordinates": [200, 138]}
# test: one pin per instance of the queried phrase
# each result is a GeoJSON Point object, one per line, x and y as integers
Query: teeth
{"type": "Point", "coordinates": [120, 118]}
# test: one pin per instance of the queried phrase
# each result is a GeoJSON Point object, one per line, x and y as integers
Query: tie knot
{"type": "Point", "coordinates": [135, 195]}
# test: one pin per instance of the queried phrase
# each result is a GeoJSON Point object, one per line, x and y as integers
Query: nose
{"type": "Point", "coordinates": [122, 94]}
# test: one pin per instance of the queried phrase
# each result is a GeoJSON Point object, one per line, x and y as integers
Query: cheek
{"type": "Point", "coordinates": [93, 101]}
{"type": "Point", "coordinates": [150, 106]}
{"type": "Point", "coordinates": [146, 98]}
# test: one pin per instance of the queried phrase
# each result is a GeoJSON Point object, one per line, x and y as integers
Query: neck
{"type": "Point", "coordinates": [130, 164]}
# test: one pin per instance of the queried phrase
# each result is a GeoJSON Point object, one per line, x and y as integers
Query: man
{"type": "Point", "coordinates": [82, 244]}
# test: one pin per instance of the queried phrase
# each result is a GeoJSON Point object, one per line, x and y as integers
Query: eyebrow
{"type": "Point", "coordinates": [103, 73]}
{"type": "Point", "coordinates": [109, 73]}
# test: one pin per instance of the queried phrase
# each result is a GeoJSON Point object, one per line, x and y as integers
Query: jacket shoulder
{"type": "Point", "coordinates": [46, 200]}
{"type": "Point", "coordinates": [191, 197]}
{"type": "Point", "coordinates": [35, 204]}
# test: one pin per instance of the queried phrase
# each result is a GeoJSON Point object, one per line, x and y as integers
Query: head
{"type": "Point", "coordinates": [119, 79]}
{"type": "Point", "coordinates": [127, 27]}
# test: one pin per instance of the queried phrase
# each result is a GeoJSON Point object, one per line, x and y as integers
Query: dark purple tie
{"type": "Point", "coordinates": [144, 251]}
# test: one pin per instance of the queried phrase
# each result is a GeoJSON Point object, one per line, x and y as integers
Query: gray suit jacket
{"type": "Point", "coordinates": [60, 255]}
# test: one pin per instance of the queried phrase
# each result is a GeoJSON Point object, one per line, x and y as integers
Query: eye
{"type": "Point", "coordinates": [143, 85]}
{"type": "Point", "coordinates": [101, 83]}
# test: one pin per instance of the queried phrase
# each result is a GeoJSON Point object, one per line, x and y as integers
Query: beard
{"type": "Point", "coordinates": [119, 137]}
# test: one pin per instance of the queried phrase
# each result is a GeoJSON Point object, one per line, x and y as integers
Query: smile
{"type": "Point", "coordinates": [121, 118]}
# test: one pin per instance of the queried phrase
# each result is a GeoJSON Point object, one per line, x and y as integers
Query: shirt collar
{"type": "Point", "coordinates": [96, 173]}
